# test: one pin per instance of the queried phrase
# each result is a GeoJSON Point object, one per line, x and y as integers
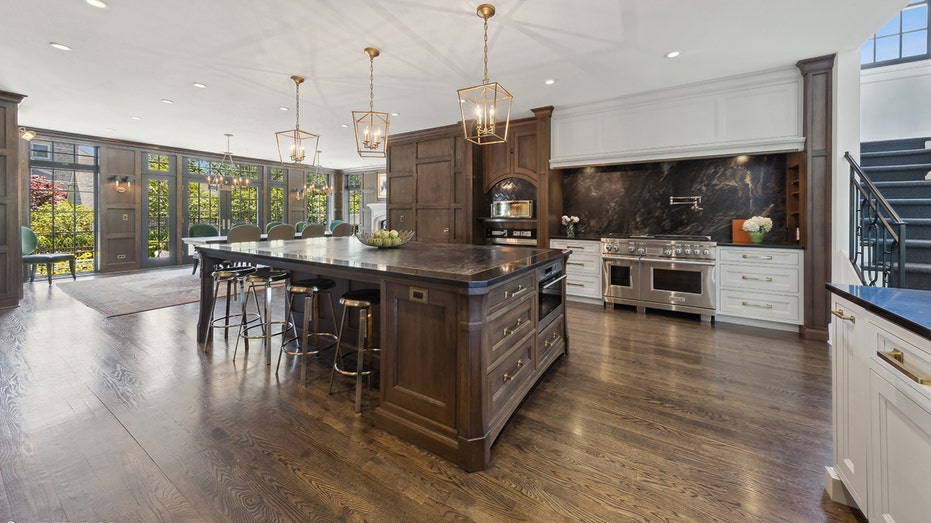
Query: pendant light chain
{"type": "Point", "coordinates": [371, 84]}
{"type": "Point", "coordinates": [297, 105]}
{"type": "Point", "coordinates": [485, 78]}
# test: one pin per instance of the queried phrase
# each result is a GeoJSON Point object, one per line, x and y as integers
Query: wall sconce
{"type": "Point", "coordinates": [26, 134]}
{"type": "Point", "coordinates": [299, 192]}
{"type": "Point", "coordinates": [122, 183]}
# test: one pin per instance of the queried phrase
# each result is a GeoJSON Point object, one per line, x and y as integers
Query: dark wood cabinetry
{"type": "Point", "coordinates": [11, 280]}
{"type": "Point", "coordinates": [795, 198]}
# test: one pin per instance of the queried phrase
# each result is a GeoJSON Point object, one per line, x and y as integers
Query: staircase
{"type": "Point", "coordinates": [901, 170]}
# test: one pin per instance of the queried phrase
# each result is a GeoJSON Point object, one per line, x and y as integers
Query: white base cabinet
{"type": "Point", "coordinates": [760, 286]}
{"type": "Point", "coordinates": [583, 269]}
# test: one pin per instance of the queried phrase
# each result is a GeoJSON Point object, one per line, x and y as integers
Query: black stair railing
{"type": "Point", "coordinates": [877, 233]}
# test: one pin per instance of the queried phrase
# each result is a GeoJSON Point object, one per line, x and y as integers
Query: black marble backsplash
{"type": "Point", "coordinates": [634, 199]}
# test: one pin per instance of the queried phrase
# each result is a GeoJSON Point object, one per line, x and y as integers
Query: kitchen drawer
{"type": "Point", "coordinates": [511, 292]}
{"type": "Point", "coordinates": [507, 329]}
{"type": "Point", "coordinates": [584, 286]}
{"type": "Point", "coordinates": [587, 264]}
{"type": "Point", "coordinates": [757, 305]}
{"type": "Point", "coordinates": [507, 380]}
{"type": "Point", "coordinates": [759, 277]}
{"type": "Point", "coordinates": [762, 256]}
{"type": "Point", "coordinates": [551, 342]}
{"type": "Point", "coordinates": [910, 355]}
{"type": "Point", "coordinates": [579, 247]}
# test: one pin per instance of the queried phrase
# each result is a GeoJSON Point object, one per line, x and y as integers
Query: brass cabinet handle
{"type": "Point", "coordinates": [510, 330]}
{"type": "Point", "coordinates": [764, 306]}
{"type": "Point", "coordinates": [576, 263]}
{"type": "Point", "coordinates": [896, 358]}
{"type": "Point", "coordinates": [511, 294]}
{"type": "Point", "coordinates": [580, 247]}
{"type": "Point", "coordinates": [755, 278]}
{"type": "Point", "coordinates": [552, 341]}
{"type": "Point", "coordinates": [840, 314]}
{"type": "Point", "coordinates": [445, 230]}
{"type": "Point", "coordinates": [510, 377]}
{"type": "Point", "coordinates": [756, 257]}
{"type": "Point", "coordinates": [575, 284]}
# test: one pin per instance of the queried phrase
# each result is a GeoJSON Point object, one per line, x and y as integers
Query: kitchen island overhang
{"type": "Point", "coordinates": [461, 341]}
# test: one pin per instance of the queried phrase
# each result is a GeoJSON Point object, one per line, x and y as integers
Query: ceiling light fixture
{"type": "Point", "coordinates": [549, 82]}
{"type": "Point", "coordinates": [482, 106]}
{"type": "Point", "coordinates": [167, 101]}
{"type": "Point", "coordinates": [371, 126]}
{"type": "Point", "coordinates": [672, 54]}
{"type": "Point", "coordinates": [99, 4]}
{"type": "Point", "coordinates": [226, 174]}
{"type": "Point", "coordinates": [293, 143]}
{"type": "Point", "coordinates": [200, 85]}
{"type": "Point", "coordinates": [135, 118]}
{"type": "Point", "coordinates": [60, 47]}
{"type": "Point", "coordinates": [26, 134]}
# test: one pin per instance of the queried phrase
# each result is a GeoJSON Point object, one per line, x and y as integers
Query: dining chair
{"type": "Point", "coordinates": [244, 233]}
{"type": "Point", "coordinates": [269, 225]}
{"type": "Point", "coordinates": [30, 259]}
{"type": "Point", "coordinates": [313, 230]}
{"type": "Point", "coordinates": [282, 231]}
{"type": "Point", "coordinates": [334, 223]}
{"type": "Point", "coordinates": [343, 229]}
{"type": "Point", "coordinates": [299, 226]}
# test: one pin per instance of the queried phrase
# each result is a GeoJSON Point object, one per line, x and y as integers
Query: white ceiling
{"type": "Point", "coordinates": [129, 56]}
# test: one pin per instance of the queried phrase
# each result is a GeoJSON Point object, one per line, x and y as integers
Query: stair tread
{"type": "Point", "coordinates": [909, 201]}
{"type": "Point", "coordinates": [886, 168]}
{"type": "Point", "coordinates": [917, 267]}
{"type": "Point", "coordinates": [903, 152]}
{"type": "Point", "coordinates": [902, 183]}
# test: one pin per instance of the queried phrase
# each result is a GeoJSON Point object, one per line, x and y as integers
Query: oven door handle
{"type": "Point", "coordinates": [680, 262]}
{"type": "Point", "coordinates": [552, 282]}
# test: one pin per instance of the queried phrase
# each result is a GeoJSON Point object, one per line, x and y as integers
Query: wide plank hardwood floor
{"type": "Point", "coordinates": [652, 417]}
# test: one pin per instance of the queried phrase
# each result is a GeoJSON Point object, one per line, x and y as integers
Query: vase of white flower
{"type": "Point", "coordinates": [757, 227]}
{"type": "Point", "coordinates": [569, 222]}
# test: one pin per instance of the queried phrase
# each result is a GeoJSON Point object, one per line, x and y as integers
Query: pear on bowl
{"type": "Point", "coordinates": [385, 239]}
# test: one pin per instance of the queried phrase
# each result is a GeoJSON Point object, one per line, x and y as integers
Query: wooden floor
{"type": "Point", "coordinates": [652, 417]}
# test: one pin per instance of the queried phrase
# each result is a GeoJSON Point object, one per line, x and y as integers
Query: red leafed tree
{"type": "Point", "coordinates": [43, 190]}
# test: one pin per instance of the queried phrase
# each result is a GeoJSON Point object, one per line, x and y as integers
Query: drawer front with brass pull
{"type": "Point", "coordinates": [766, 279]}
{"type": "Point", "coordinates": [509, 328]}
{"type": "Point", "coordinates": [507, 379]}
{"type": "Point", "coordinates": [772, 307]}
{"type": "Point", "coordinates": [551, 342]}
{"type": "Point", "coordinates": [509, 293]}
{"type": "Point", "coordinates": [907, 360]}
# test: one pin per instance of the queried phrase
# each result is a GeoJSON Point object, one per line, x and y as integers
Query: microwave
{"type": "Point", "coordinates": [512, 209]}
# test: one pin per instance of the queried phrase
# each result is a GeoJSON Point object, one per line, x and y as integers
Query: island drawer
{"type": "Point", "coordinates": [510, 292]}
{"type": "Point", "coordinates": [551, 342]}
{"type": "Point", "coordinates": [506, 380]}
{"type": "Point", "coordinates": [507, 329]}
{"type": "Point", "coordinates": [905, 355]}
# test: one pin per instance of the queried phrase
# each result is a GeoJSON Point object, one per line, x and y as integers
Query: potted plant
{"type": "Point", "coordinates": [757, 227]}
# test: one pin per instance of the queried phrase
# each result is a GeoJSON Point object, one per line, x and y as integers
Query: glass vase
{"type": "Point", "coordinates": [570, 230]}
{"type": "Point", "coordinates": [756, 237]}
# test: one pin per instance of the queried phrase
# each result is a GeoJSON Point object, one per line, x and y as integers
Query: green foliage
{"type": "Point", "coordinates": [74, 232]}
{"type": "Point", "coordinates": [42, 190]}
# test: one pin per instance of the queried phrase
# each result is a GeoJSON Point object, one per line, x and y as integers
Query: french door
{"type": "Point", "coordinates": [159, 223]}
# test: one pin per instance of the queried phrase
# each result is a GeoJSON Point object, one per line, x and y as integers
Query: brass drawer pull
{"type": "Point", "coordinates": [552, 341]}
{"type": "Point", "coordinates": [580, 247]}
{"type": "Point", "coordinates": [897, 360]}
{"type": "Point", "coordinates": [756, 257]}
{"type": "Point", "coordinates": [510, 330]}
{"type": "Point", "coordinates": [580, 264]}
{"type": "Point", "coordinates": [510, 377]}
{"type": "Point", "coordinates": [755, 278]}
{"type": "Point", "coordinates": [511, 294]}
{"type": "Point", "coordinates": [840, 314]}
{"type": "Point", "coordinates": [764, 306]}
{"type": "Point", "coordinates": [575, 284]}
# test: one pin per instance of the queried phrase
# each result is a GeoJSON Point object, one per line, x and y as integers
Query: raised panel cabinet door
{"type": "Point", "coordinates": [851, 399]}
{"type": "Point", "coordinates": [435, 183]}
{"type": "Point", "coordinates": [401, 157]}
{"type": "Point", "coordinates": [900, 481]}
{"type": "Point", "coordinates": [434, 225]}
{"type": "Point", "coordinates": [400, 189]}
{"type": "Point", "coordinates": [525, 160]}
{"type": "Point", "coordinates": [401, 218]}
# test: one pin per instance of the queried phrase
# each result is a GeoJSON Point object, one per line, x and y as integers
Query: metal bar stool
{"type": "Point", "coordinates": [363, 300]}
{"type": "Point", "coordinates": [230, 275]}
{"type": "Point", "coordinates": [263, 276]}
{"type": "Point", "coordinates": [312, 289]}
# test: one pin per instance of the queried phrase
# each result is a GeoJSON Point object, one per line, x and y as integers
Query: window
{"type": "Point", "coordinates": [277, 195]}
{"type": "Point", "coordinates": [316, 199]}
{"type": "Point", "coordinates": [62, 208]}
{"type": "Point", "coordinates": [354, 200]}
{"type": "Point", "coordinates": [203, 204]}
{"type": "Point", "coordinates": [902, 39]}
{"type": "Point", "coordinates": [157, 163]}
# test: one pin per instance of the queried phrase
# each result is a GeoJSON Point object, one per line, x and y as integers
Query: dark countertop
{"type": "Point", "coordinates": [452, 263]}
{"type": "Point", "coordinates": [762, 245]}
{"type": "Point", "coordinates": [907, 308]}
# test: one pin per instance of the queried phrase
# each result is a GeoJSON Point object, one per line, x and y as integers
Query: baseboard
{"type": "Point", "coordinates": [836, 489]}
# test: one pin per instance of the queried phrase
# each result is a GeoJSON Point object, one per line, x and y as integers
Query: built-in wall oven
{"type": "Point", "coordinates": [663, 272]}
{"type": "Point", "coordinates": [551, 293]}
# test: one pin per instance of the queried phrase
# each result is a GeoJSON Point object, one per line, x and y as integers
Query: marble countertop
{"type": "Point", "coordinates": [907, 308]}
{"type": "Point", "coordinates": [454, 263]}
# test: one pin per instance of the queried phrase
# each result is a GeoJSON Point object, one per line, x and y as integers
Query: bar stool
{"type": "Point", "coordinates": [363, 300]}
{"type": "Point", "coordinates": [263, 276]}
{"type": "Point", "coordinates": [312, 289]}
{"type": "Point", "coordinates": [230, 275]}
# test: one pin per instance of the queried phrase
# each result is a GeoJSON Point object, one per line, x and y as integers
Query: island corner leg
{"type": "Point", "coordinates": [204, 332]}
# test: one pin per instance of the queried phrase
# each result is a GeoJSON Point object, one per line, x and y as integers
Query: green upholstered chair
{"type": "Point", "coordinates": [200, 230]}
{"type": "Point", "coordinates": [299, 226]}
{"type": "Point", "coordinates": [313, 230]}
{"type": "Point", "coordinates": [282, 231]}
{"type": "Point", "coordinates": [334, 223]}
{"type": "Point", "coordinates": [30, 259]}
{"type": "Point", "coordinates": [342, 229]}
{"type": "Point", "coordinates": [269, 225]}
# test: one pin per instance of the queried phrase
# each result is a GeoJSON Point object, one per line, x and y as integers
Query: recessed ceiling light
{"type": "Point", "coordinates": [60, 47]}
{"type": "Point", "coordinates": [99, 4]}
{"type": "Point", "coordinates": [135, 118]}
{"type": "Point", "coordinates": [283, 108]}
{"type": "Point", "coordinates": [200, 85]}
{"type": "Point", "coordinates": [395, 114]}
{"type": "Point", "coordinates": [344, 125]}
{"type": "Point", "coordinates": [110, 130]}
{"type": "Point", "coordinates": [672, 54]}
{"type": "Point", "coordinates": [549, 81]}
{"type": "Point", "coordinates": [167, 101]}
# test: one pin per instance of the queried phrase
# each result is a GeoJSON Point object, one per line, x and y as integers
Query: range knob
{"type": "Point", "coordinates": [641, 251]}
{"type": "Point", "coordinates": [688, 250]}
{"type": "Point", "coordinates": [667, 252]}
{"type": "Point", "coordinates": [706, 252]}
{"type": "Point", "coordinates": [632, 248]}
{"type": "Point", "coordinates": [678, 249]}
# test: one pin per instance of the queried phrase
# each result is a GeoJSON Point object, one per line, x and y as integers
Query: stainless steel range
{"type": "Point", "coordinates": [663, 272]}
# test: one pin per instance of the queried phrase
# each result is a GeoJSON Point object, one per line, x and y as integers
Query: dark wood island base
{"type": "Point", "coordinates": [466, 330]}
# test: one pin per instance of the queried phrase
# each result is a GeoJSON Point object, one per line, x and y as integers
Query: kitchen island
{"type": "Point", "coordinates": [466, 330]}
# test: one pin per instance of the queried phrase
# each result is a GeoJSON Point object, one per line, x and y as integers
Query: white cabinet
{"type": "Point", "coordinates": [901, 425]}
{"type": "Point", "coordinates": [583, 269]}
{"type": "Point", "coordinates": [763, 285]}
{"type": "Point", "coordinates": [851, 396]}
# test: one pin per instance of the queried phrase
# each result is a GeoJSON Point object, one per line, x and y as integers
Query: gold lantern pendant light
{"type": "Point", "coordinates": [371, 126]}
{"type": "Point", "coordinates": [293, 143]}
{"type": "Point", "coordinates": [226, 173]}
{"type": "Point", "coordinates": [483, 106]}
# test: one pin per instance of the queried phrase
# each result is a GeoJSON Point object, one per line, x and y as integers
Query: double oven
{"type": "Point", "coordinates": [663, 272]}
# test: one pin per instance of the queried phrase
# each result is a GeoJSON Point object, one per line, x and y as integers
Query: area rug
{"type": "Point", "coordinates": [137, 291]}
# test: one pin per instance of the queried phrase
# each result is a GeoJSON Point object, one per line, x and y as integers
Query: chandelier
{"type": "Point", "coordinates": [485, 108]}
{"type": "Point", "coordinates": [293, 143]}
{"type": "Point", "coordinates": [226, 173]}
{"type": "Point", "coordinates": [312, 189]}
{"type": "Point", "coordinates": [371, 127]}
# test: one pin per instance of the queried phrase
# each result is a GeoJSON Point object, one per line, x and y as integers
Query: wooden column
{"type": "Point", "coordinates": [817, 74]}
{"type": "Point", "coordinates": [11, 256]}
